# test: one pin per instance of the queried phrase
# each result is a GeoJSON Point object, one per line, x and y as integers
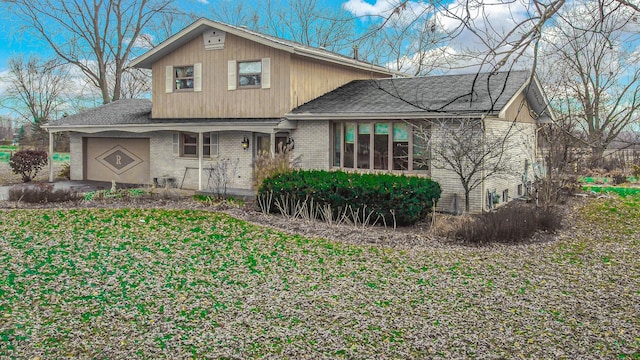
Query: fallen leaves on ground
{"type": "Point", "coordinates": [180, 283]}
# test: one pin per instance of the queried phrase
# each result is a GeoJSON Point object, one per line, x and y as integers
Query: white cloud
{"type": "Point", "coordinates": [398, 13]}
{"type": "Point", "coordinates": [204, 2]}
{"type": "Point", "coordinates": [143, 41]}
{"type": "Point", "coordinates": [363, 8]}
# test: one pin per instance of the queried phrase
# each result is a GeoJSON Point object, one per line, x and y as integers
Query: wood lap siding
{"type": "Point", "coordinates": [312, 78]}
{"type": "Point", "coordinates": [215, 100]}
{"type": "Point", "coordinates": [519, 110]}
{"type": "Point", "coordinates": [294, 80]}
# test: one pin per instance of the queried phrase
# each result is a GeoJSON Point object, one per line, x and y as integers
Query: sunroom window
{"type": "Point", "coordinates": [379, 145]}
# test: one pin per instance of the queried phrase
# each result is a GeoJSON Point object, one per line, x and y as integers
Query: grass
{"type": "Point", "coordinates": [602, 180]}
{"type": "Point", "coordinates": [150, 283]}
{"type": "Point", "coordinates": [621, 191]}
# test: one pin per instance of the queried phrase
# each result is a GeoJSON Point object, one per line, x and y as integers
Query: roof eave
{"type": "Point", "coordinates": [253, 126]}
{"type": "Point", "coordinates": [538, 93]}
{"type": "Point", "coordinates": [147, 59]}
{"type": "Point", "coordinates": [192, 31]}
{"type": "Point", "coordinates": [381, 116]}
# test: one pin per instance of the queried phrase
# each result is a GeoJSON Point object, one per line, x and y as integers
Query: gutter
{"type": "Point", "coordinates": [378, 116]}
{"type": "Point", "coordinates": [193, 127]}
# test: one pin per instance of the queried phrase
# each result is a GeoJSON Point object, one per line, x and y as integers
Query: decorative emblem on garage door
{"type": "Point", "coordinates": [119, 160]}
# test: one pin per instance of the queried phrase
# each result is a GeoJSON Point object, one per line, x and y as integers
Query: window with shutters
{"type": "Point", "coordinates": [183, 76]}
{"type": "Point", "coordinates": [254, 74]}
{"type": "Point", "coordinates": [249, 74]}
{"type": "Point", "coordinates": [185, 144]}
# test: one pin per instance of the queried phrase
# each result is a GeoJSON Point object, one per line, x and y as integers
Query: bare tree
{"type": "Point", "coordinates": [36, 91]}
{"type": "Point", "coordinates": [6, 128]}
{"type": "Point", "coordinates": [237, 13]}
{"type": "Point", "coordinates": [309, 22]}
{"type": "Point", "coordinates": [595, 73]}
{"type": "Point", "coordinates": [465, 147]}
{"type": "Point", "coordinates": [91, 35]}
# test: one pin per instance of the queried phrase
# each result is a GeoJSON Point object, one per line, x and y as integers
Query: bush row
{"type": "Point", "coordinates": [509, 224]}
{"type": "Point", "coordinates": [41, 193]}
{"type": "Point", "coordinates": [398, 199]}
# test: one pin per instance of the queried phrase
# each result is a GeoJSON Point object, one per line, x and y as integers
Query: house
{"type": "Point", "coordinates": [224, 93]}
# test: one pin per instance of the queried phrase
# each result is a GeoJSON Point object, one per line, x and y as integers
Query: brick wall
{"type": "Point", "coordinates": [165, 163]}
{"type": "Point", "coordinates": [312, 144]}
{"type": "Point", "coordinates": [520, 149]}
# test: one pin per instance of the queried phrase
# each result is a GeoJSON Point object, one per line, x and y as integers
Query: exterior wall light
{"type": "Point", "coordinates": [245, 143]}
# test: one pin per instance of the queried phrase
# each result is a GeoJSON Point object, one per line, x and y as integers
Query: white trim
{"type": "Point", "coordinates": [91, 129]}
{"type": "Point", "coordinates": [168, 77]}
{"type": "Point", "coordinates": [197, 77]}
{"type": "Point", "coordinates": [379, 116]}
{"type": "Point", "coordinates": [266, 73]}
{"type": "Point", "coordinates": [200, 157]}
{"type": "Point", "coordinates": [231, 75]}
{"type": "Point", "coordinates": [50, 156]}
{"type": "Point", "coordinates": [199, 26]}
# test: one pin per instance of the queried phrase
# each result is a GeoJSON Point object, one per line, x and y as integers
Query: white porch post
{"type": "Point", "coordinates": [50, 156]}
{"type": "Point", "coordinates": [272, 141]}
{"type": "Point", "coordinates": [200, 156]}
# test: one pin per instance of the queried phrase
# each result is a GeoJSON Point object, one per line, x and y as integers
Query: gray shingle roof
{"type": "Point", "coordinates": [138, 112]}
{"type": "Point", "coordinates": [121, 112]}
{"type": "Point", "coordinates": [468, 93]}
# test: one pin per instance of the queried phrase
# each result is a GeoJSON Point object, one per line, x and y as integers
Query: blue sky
{"type": "Point", "coordinates": [12, 42]}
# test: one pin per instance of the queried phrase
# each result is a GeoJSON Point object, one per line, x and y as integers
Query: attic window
{"type": "Point", "coordinates": [183, 77]}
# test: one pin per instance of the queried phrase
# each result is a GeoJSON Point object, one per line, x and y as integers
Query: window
{"type": "Point", "coordinates": [364, 136]}
{"type": "Point", "coordinates": [186, 144]}
{"type": "Point", "coordinates": [382, 145]}
{"type": "Point", "coordinates": [263, 144]}
{"type": "Point", "coordinates": [250, 74]}
{"type": "Point", "coordinates": [520, 190]}
{"type": "Point", "coordinates": [337, 144]}
{"type": "Point", "coordinates": [189, 144]}
{"type": "Point", "coordinates": [184, 79]}
{"type": "Point", "coordinates": [400, 146]}
{"type": "Point", "coordinates": [505, 195]}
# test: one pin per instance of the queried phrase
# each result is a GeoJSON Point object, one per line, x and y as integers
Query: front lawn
{"type": "Point", "coordinates": [156, 283]}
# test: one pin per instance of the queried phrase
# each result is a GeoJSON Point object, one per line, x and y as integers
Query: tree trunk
{"type": "Point", "coordinates": [597, 156]}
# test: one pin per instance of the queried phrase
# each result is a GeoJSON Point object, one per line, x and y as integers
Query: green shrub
{"type": "Point", "coordinates": [396, 199]}
{"type": "Point", "coordinates": [509, 224]}
{"type": "Point", "coordinates": [41, 193]}
{"type": "Point", "coordinates": [27, 163]}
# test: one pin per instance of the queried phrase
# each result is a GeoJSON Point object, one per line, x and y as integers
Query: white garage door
{"type": "Point", "coordinates": [123, 160]}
